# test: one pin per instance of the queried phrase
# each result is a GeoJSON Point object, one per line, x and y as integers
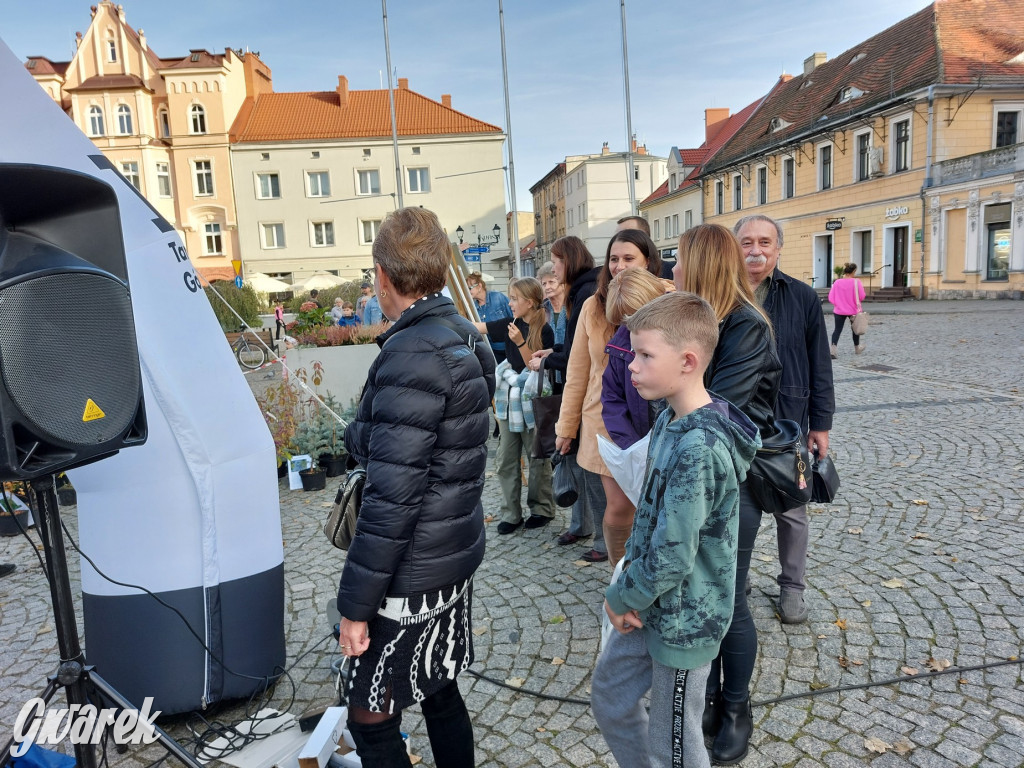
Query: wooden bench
{"type": "Point", "coordinates": [266, 334]}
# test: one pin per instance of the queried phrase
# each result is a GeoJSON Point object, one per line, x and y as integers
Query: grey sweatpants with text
{"type": "Point", "coordinates": [670, 737]}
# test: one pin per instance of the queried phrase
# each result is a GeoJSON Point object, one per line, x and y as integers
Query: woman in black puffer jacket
{"type": "Point", "coordinates": [421, 432]}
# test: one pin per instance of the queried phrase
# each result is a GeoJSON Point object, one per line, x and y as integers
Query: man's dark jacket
{"type": "Point", "coordinates": [421, 433]}
{"type": "Point", "coordinates": [806, 395]}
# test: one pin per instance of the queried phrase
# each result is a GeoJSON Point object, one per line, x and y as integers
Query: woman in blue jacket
{"type": "Point", "coordinates": [420, 432]}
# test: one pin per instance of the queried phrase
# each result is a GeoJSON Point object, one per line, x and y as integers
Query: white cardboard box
{"type": "Point", "coordinates": [324, 740]}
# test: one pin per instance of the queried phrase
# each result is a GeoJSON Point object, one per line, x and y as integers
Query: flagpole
{"type": "Point", "coordinates": [391, 94]}
{"type": "Point", "coordinates": [630, 173]}
{"type": "Point", "coordinates": [508, 132]}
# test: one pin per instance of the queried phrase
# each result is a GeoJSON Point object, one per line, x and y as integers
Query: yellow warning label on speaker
{"type": "Point", "coordinates": [92, 411]}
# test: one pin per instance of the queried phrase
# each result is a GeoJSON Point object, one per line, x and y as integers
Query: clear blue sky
{"type": "Point", "coordinates": [564, 56]}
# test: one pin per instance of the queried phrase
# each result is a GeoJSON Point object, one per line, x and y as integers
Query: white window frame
{"type": "Point", "coordinates": [124, 115]}
{"type": "Point", "coordinates": [267, 193]}
{"type": "Point", "coordinates": [656, 230]}
{"type": "Point", "coordinates": [420, 171]}
{"type": "Point", "coordinates": [111, 49]}
{"type": "Point", "coordinates": [95, 113]}
{"type": "Point", "coordinates": [163, 119]}
{"type": "Point", "coordinates": [359, 177]}
{"type": "Point", "coordinates": [277, 241]}
{"type": "Point", "coordinates": [197, 173]}
{"type": "Point", "coordinates": [688, 219]}
{"type": "Point", "coordinates": [163, 174]}
{"type": "Point", "coordinates": [1008, 106]}
{"type": "Point", "coordinates": [325, 228]}
{"type": "Point", "coordinates": [893, 154]}
{"type": "Point", "coordinates": [197, 120]}
{"type": "Point", "coordinates": [675, 225]}
{"type": "Point", "coordinates": [737, 192]}
{"type": "Point", "coordinates": [856, 155]}
{"type": "Point", "coordinates": [761, 174]}
{"type": "Point", "coordinates": [213, 239]}
{"type": "Point", "coordinates": [130, 171]}
{"type": "Point", "coordinates": [321, 177]}
{"type": "Point", "coordinates": [375, 227]}
{"type": "Point", "coordinates": [569, 217]}
{"type": "Point", "coordinates": [785, 192]}
{"type": "Point", "coordinates": [819, 151]}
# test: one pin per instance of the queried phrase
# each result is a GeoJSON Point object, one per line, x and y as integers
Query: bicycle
{"type": "Point", "coordinates": [251, 356]}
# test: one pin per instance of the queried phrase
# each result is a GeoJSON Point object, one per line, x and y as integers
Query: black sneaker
{"type": "Point", "coordinates": [506, 528]}
{"type": "Point", "coordinates": [537, 521]}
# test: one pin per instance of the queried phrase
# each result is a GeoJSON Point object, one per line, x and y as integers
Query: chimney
{"type": "Point", "coordinates": [342, 91]}
{"type": "Point", "coordinates": [642, 149]}
{"type": "Point", "coordinates": [814, 61]}
{"type": "Point", "coordinates": [446, 100]}
{"type": "Point", "coordinates": [604, 149]}
{"type": "Point", "coordinates": [403, 83]}
{"type": "Point", "coordinates": [714, 120]}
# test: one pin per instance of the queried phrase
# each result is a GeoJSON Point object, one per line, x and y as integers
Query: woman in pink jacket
{"type": "Point", "coordinates": [845, 297]}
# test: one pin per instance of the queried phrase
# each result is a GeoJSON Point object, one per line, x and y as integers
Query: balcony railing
{"type": "Point", "coordinates": [979, 166]}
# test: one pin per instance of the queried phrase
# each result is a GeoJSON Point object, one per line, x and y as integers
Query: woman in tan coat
{"type": "Point", "coordinates": [580, 414]}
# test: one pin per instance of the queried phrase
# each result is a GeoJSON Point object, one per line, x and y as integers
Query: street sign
{"type": "Point", "coordinates": [238, 281]}
{"type": "Point", "coordinates": [477, 249]}
{"type": "Point", "coordinates": [473, 258]}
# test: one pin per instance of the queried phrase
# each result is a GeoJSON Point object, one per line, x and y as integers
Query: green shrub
{"type": "Point", "coordinates": [245, 301]}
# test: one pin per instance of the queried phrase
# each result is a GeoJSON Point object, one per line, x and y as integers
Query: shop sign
{"type": "Point", "coordinates": [896, 211]}
{"type": "Point", "coordinates": [833, 224]}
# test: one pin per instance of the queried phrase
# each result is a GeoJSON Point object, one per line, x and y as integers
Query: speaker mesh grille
{"type": "Point", "coordinates": [66, 339]}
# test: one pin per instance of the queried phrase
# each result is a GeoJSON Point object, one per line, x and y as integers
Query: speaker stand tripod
{"type": "Point", "coordinates": [80, 682]}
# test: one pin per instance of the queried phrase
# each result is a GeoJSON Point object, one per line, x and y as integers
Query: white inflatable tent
{"type": "Point", "coordinates": [192, 515]}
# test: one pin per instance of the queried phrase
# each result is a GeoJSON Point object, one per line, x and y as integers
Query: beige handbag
{"type": "Point", "coordinates": [859, 323]}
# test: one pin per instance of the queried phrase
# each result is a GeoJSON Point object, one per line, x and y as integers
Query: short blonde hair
{"type": "Point", "coordinates": [412, 249]}
{"type": "Point", "coordinates": [683, 319]}
{"type": "Point", "coordinates": [630, 290]}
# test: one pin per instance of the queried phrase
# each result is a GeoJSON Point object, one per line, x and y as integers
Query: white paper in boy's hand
{"type": "Point", "coordinates": [628, 466]}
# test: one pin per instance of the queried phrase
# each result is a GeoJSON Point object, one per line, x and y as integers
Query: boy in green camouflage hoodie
{"type": "Point", "coordinates": [673, 602]}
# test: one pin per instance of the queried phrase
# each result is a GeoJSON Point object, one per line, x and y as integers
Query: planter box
{"type": "Point", "coordinates": [339, 371]}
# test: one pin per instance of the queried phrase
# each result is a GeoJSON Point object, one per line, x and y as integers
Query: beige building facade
{"type": "Point", "coordinates": [315, 175]}
{"type": "Point", "coordinates": [902, 155]}
{"type": "Point", "coordinates": [548, 211]}
{"type": "Point", "coordinates": [163, 123]}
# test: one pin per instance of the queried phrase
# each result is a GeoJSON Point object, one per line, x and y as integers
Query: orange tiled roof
{"type": "Point", "coordinates": [899, 60]}
{"type": "Point", "coordinates": [980, 38]}
{"type": "Point", "coordinates": [693, 157]}
{"type": "Point", "coordinates": [203, 60]}
{"type": "Point", "coordinates": [43, 66]}
{"type": "Point", "coordinates": [319, 115]}
{"type": "Point", "coordinates": [109, 82]}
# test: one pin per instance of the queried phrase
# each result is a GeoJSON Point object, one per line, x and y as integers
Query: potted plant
{"type": "Point", "coordinates": [280, 404]}
{"type": "Point", "coordinates": [310, 440]}
{"type": "Point", "coordinates": [13, 510]}
{"type": "Point", "coordinates": [333, 460]}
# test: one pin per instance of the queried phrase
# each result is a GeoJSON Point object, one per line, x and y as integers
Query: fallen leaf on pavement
{"type": "Point", "coordinates": [515, 682]}
{"type": "Point", "coordinates": [936, 665]}
{"type": "Point", "coordinates": [920, 535]}
{"type": "Point", "coordinates": [908, 670]}
{"type": "Point", "coordinates": [919, 502]}
{"type": "Point", "coordinates": [489, 519]}
{"type": "Point", "coordinates": [841, 623]}
{"type": "Point", "coordinates": [541, 729]}
{"type": "Point", "coordinates": [962, 681]}
{"type": "Point", "coordinates": [818, 686]}
{"type": "Point", "coordinates": [866, 603]}
{"type": "Point", "coordinates": [415, 759]}
{"type": "Point", "coordinates": [582, 563]}
{"type": "Point", "coordinates": [822, 637]}
{"type": "Point", "coordinates": [893, 584]}
{"type": "Point", "coordinates": [480, 631]}
{"type": "Point", "coordinates": [765, 558]}
{"type": "Point", "coordinates": [557, 661]}
{"type": "Point", "coordinates": [902, 747]}
{"type": "Point", "coordinates": [556, 619]}
{"type": "Point", "coordinates": [844, 662]}
{"type": "Point", "coordinates": [978, 518]}
{"type": "Point", "coordinates": [855, 530]}
{"type": "Point", "coordinates": [857, 663]}
{"type": "Point", "coordinates": [874, 744]}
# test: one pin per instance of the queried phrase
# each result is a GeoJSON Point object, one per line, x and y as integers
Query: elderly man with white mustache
{"type": "Point", "coordinates": [806, 393]}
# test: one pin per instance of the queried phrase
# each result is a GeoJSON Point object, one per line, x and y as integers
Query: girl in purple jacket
{"type": "Point", "coordinates": [627, 416]}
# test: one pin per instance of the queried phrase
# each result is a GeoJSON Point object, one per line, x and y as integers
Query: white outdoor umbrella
{"type": "Point", "coordinates": [320, 281]}
{"type": "Point", "coordinates": [262, 283]}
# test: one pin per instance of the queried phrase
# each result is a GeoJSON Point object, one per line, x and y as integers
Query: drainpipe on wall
{"type": "Point", "coordinates": [927, 183]}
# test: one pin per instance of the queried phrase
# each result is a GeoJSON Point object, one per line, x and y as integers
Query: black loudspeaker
{"type": "Point", "coordinates": [70, 383]}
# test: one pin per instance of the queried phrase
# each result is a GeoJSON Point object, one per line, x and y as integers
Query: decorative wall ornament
{"type": "Point", "coordinates": [972, 208]}
{"type": "Point", "coordinates": [1018, 203]}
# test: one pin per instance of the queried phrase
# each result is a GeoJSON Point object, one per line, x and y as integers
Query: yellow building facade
{"type": "Point", "coordinates": [163, 123]}
{"type": "Point", "coordinates": [901, 155]}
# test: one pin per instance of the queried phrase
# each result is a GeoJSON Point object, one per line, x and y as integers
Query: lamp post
{"type": "Point", "coordinates": [481, 240]}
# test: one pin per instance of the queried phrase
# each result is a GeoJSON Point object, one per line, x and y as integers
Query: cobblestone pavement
{"type": "Point", "coordinates": [918, 558]}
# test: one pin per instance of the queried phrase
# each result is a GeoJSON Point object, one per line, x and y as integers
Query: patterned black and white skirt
{"type": "Point", "coordinates": [418, 645]}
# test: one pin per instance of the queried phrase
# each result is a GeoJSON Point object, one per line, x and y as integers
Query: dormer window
{"type": "Point", "coordinates": [849, 93]}
{"type": "Point", "coordinates": [857, 58]}
{"type": "Point", "coordinates": [194, 58]}
{"type": "Point", "coordinates": [777, 124]}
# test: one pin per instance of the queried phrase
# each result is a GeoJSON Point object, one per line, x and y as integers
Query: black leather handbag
{"type": "Point", "coordinates": [825, 481]}
{"type": "Point", "coordinates": [779, 476]}
{"type": "Point", "coordinates": [341, 522]}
